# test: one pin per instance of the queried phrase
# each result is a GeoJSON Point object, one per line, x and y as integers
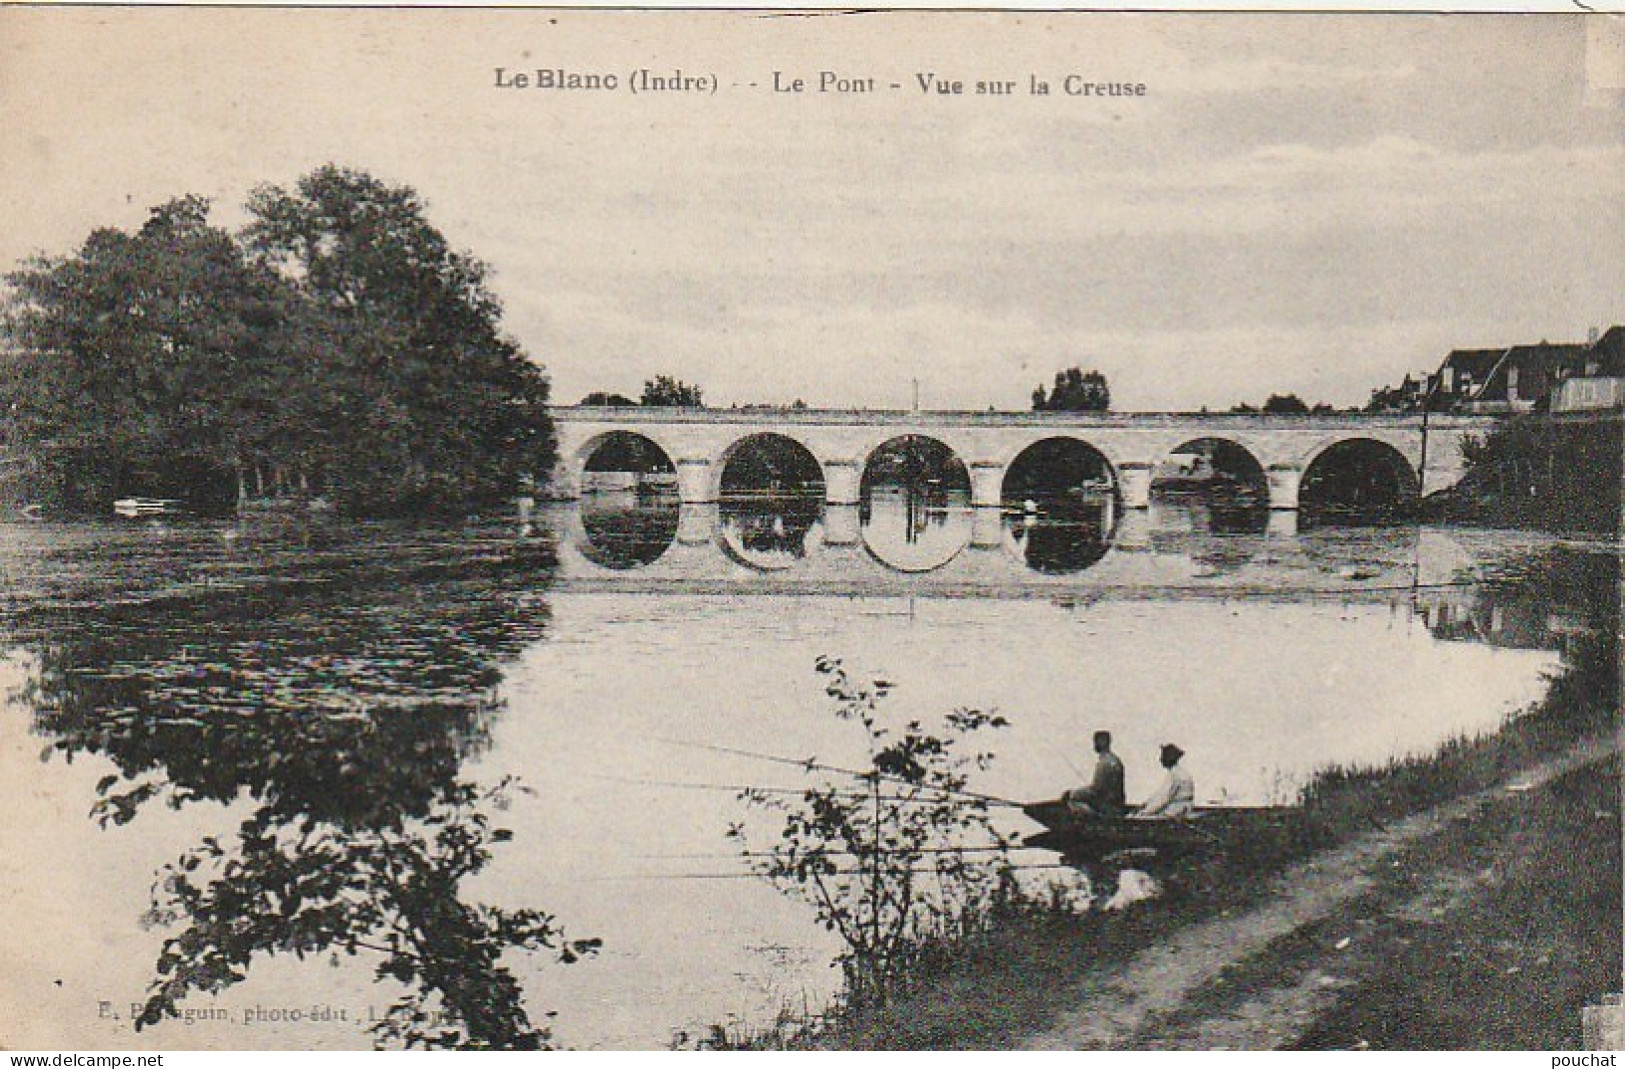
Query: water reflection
{"type": "Point", "coordinates": [1044, 541]}
{"type": "Point", "coordinates": [1555, 599]}
{"type": "Point", "coordinates": [345, 694]}
{"type": "Point", "coordinates": [341, 713]}
{"type": "Point", "coordinates": [915, 529]}
{"type": "Point", "coordinates": [771, 499]}
{"type": "Point", "coordinates": [1060, 506]}
{"type": "Point", "coordinates": [914, 504]}
{"type": "Point", "coordinates": [1220, 536]}
{"type": "Point", "coordinates": [770, 532]}
{"type": "Point", "coordinates": [628, 528]}
{"type": "Point", "coordinates": [1061, 534]}
{"type": "Point", "coordinates": [1353, 555]}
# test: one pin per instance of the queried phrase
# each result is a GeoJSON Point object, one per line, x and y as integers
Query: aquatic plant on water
{"type": "Point", "coordinates": [342, 721]}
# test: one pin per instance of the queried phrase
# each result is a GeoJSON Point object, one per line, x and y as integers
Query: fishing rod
{"type": "Point", "coordinates": [739, 788]}
{"type": "Point", "coordinates": [982, 848]}
{"type": "Point", "coordinates": [1048, 865]}
{"type": "Point", "coordinates": [810, 764]}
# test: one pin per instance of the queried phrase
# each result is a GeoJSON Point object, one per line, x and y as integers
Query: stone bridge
{"type": "Point", "coordinates": [700, 441]}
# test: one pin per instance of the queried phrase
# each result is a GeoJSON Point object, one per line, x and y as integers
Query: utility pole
{"type": "Point", "coordinates": [916, 394]}
{"type": "Point", "coordinates": [1427, 407]}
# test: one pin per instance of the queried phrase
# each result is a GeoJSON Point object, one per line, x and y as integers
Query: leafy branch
{"type": "Point", "coordinates": [909, 859]}
{"type": "Point", "coordinates": [315, 887]}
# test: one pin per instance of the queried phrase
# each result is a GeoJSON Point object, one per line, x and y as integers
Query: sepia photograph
{"type": "Point", "coordinates": [766, 530]}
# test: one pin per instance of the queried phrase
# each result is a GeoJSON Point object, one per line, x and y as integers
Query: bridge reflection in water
{"type": "Point", "coordinates": [897, 542]}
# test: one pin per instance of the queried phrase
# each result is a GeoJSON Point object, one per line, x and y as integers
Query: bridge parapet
{"type": "Point", "coordinates": [699, 441]}
{"type": "Point", "coordinates": [884, 417]}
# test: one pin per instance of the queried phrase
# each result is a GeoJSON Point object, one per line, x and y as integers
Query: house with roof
{"type": "Point", "coordinates": [1565, 376]}
{"type": "Point", "coordinates": [1462, 376]}
{"type": "Point", "coordinates": [1525, 376]}
{"type": "Point", "coordinates": [1408, 396]}
{"type": "Point", "coordinates": [1598, 382]}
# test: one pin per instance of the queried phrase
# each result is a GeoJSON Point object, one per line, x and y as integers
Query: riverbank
{"type": "Point", "coordinates": [1414, 937]}
{"type": "Point", "coordinates": [1539, 472]}
{"type": "Point", "coordinates": [1305, 942]}
{"type": "Point", "coordinates": [1488, 922]}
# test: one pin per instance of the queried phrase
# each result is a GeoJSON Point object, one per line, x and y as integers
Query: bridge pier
{"type": "Point", "coordinates": [694, 481]}
{"type": "Point", "coordinates": [1283, 523]}
{"type": "Point", "coordinates": [987, 528]}
{"type": "Point", "coordinates": [1134, 482]}
{"type": "Point", "coordinates": [986, 484]}
{"type": "Point", "coordinates": [1133, 532]}
{"type": "Point", "coordinates": [841, 527]}
{"type": "Point", "coordinates": [1284, 480]}
{"type": "Point", "coordinates": [696, 523]}
{"type": "Point", "coordinates": [842, 481]}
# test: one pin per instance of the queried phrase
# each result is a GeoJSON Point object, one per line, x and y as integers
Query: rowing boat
{"type": "Point", "coordinates": [134, 507]}
{"type": "Point", "coordinates": [1205, 829]}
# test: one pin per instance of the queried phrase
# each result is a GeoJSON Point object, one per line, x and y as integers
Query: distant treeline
{"type": "Point", "coordinates": [1535, 471]}
{"type": "Point", "coordinates": [335, 346]}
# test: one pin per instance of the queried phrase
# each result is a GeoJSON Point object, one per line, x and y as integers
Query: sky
{"type": "Point", "coordinates": [1313, 204]}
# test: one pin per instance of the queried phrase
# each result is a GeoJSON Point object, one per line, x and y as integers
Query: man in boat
{"type": "Point", "coordinates": [1104, 796]}
{"type": "Point", "coordinates": [1177, 795]}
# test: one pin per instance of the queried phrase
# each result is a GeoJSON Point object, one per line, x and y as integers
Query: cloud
{"type": "Point", "coordinates": [1311, 204]}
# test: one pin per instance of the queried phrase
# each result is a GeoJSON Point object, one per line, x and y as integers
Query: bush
{"type": "Point", "coordinates": [897, 857]}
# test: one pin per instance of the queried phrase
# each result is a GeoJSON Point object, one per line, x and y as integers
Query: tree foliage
{"type": "Point", "coordinates": [144, 359]}
{"type": "Point", "coordinates": [1539, 472]}
{"type": "Point", "coordinates": [1075, 390]}
{"type": "Point", "coordinates": [608, 400]}
{"type": "Point", "coordinates": [338, 345]}
{"type": "Point", "coordinates": [898, 857]}
{"type": "Point", "coordinates": [1285, 404]}
{"type": "Point", "coordinates": [666, 392]}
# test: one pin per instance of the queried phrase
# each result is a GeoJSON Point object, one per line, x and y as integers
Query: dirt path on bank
{"type": "Point", "coordinates": [1174, 994]}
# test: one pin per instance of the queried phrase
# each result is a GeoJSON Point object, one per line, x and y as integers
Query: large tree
{"type": "Point", "coordinates": [601, 399]}
{"type": "Point", "coordinates": [1285, 404]}
{"type": "Point", "coordinates": [339, 346]}
{"type": "Point", "coordinates": [665, 391]}
{"type": "Point", "coordinates": [143, 363]}
{"type": "Point", "coordinates": [440, 407]}
{"type": "Point", "coordinates": [1075, 390]}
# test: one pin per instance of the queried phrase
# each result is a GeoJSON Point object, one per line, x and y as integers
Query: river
{"type": "Point", "coordinates": [241, 696]}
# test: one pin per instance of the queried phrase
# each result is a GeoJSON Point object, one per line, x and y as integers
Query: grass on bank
{"type": "Point", "coordinates": [1513, 967]}
{"type": "Point", "coordinates": [1009, 973]}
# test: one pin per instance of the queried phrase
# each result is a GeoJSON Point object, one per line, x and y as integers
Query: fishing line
{"type": "Point", "coordinates": [1049, 865]}
{"type": "Point", "coordinates": [739, 788]}
{"type": "Point", "coordinates": [755, 854]}
{"type": "Point", "coordinates": [810, 764]}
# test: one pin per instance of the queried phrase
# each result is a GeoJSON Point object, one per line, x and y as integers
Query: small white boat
{"type": "Point", "coordinates": [143, 506]}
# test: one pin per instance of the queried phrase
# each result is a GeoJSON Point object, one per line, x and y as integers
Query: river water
{"type": "Point", "coordinates": [289, 690]}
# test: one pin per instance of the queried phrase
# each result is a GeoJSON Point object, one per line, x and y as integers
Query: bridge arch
{"type": "Point", "coordinates": [770, 490]}
{"type": "Point", "coordinates": [628, 515]}
{"type": "Point", "coordinates": [912, 448]}
{"type": "Point", "coordinates": [619, 450]}
{"type": "Point", "coordinates": [1356, 475]}
{"type": "Point", "coordinates": [1012, 452]}
{"type": "Point", "coordinates": [1059, 504]}
{"type": "Point", "coordinates": [1214, 460]}
{"type": "Point", "coordinates": [698, 443]}
{"type": "Point", "coordinates": [787, 454]}
{"type": "Point", "coordinates": [914, 507]}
